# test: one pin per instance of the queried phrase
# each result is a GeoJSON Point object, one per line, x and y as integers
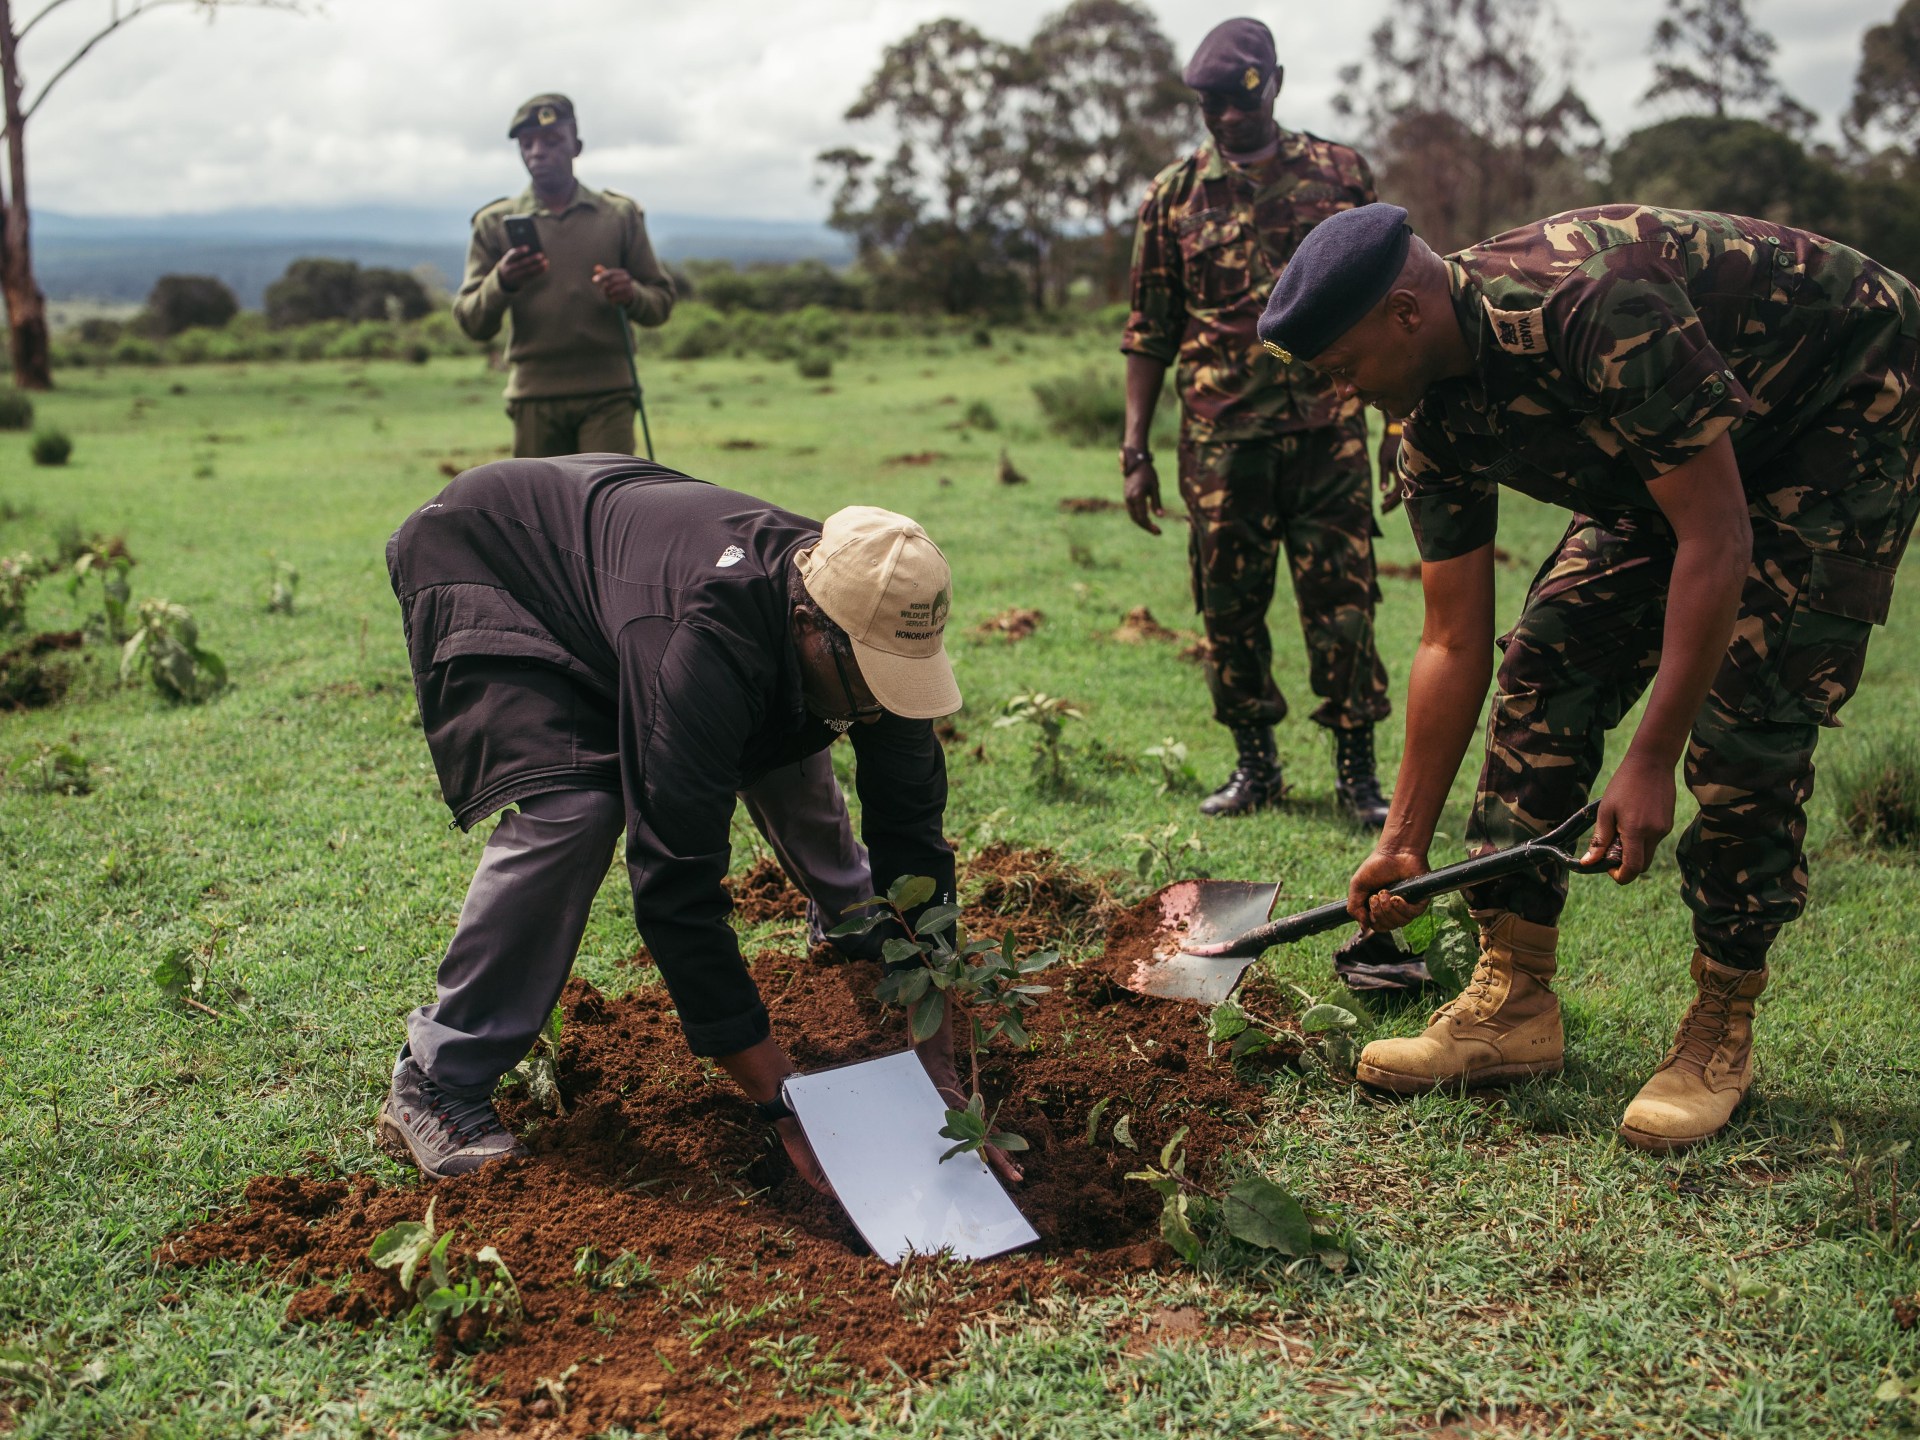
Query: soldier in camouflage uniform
{"type": "Point", "coordinates": [1729, 408]}
{"type": "Point", "coordinates": [1270, 456]}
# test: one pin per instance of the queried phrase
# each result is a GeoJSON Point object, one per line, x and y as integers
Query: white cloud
{"type": "Point", "coordinates": [692, 105]}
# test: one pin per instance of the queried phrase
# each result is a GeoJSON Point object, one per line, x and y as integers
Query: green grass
{"type": "Point", "coordinates": [1516, 1260]}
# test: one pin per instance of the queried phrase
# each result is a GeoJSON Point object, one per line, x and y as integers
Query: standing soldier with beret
{"type": "Point", "coordinates": [1729, 407]}
{"type": "Point", "coordinates": [1270, 455]}
{"type": "Point", "coordinates": [572, 388]}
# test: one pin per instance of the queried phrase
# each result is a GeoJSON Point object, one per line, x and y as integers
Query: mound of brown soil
{"type": "Point", "coordinates": [1036, 896]}
{"type": "Point", "coordinates": [1013, 624]}
{"type": "Point", "coordinates": [764, 894]}
{"type": "Point", "coordinates": [1087, 505]}
{"type": "Point", "coordinates": [755, 1302]}
{"type": "Point", "coordinates": [1138, 626]}
{"type": "Point", "coordinates": [29, 681]}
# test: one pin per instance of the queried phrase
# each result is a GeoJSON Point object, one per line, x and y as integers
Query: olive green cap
{"type": "Point", "coordinates": [541, 110]}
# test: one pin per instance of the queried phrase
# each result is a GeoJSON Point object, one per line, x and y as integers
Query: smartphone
{"type": "Point", "coordinates": [522, 232]}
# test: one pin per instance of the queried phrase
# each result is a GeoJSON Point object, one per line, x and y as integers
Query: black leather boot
{"type": "Point", "coordinates": [1255, 782]}
{"type": "Point", "coordinates": [1357, 787]}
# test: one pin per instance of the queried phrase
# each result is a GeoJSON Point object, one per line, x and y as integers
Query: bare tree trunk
{"type": "Point", "coordinates": [26, 306]}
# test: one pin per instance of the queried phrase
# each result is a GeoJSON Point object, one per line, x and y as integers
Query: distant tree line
{"type": "Point", "coordinates": [1008, 175]}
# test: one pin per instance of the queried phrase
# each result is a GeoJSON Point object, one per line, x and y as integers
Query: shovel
{"type": "Point", "coordinates": [1212, 929]}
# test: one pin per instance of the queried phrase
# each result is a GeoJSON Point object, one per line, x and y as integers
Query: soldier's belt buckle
{"type": "Point", "coordinates": [1286, 355]}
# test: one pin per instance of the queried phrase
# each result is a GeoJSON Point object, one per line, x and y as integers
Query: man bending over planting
{"type": "Point", "coordinates": [616, 647]}
{"type": "Point", "coordinates": [1729, 407]}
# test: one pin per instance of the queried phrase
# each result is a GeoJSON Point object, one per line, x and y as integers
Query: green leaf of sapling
{"type": "Point", "coordinates": [910, 890]}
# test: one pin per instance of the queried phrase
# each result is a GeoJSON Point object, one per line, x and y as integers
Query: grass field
{"type": "Point", "coordinates": [1520, 1271]}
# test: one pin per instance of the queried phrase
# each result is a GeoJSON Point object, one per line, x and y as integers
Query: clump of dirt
{"type": "Point", "coordinates": [1087, 505]}
{"type": "Point", "coordinates": [739, 444]}
{"type": "Point", "coordinates": [948, 733]}
{"type": "Point", "coordinates": [1035, 895]}
{"type": "Point", "coordinates": [1196, 653]}
{"type": "Point", "coordinates": [915, 457]}
{"type": "Point", "coordinates": [747, 1300]}
{"type": "Point", "coordinates": [764, 894]}
{"type": "Point", "coordinates": [1008, 474]}
{"type": "Point", "coordinates": [1012, 624]}
{"type": "Point", "coordinates": [1138, 626]}
{"type": "Point", "coordinates": [1394, 570]}
{"type": "Point", "coordinates": [30, 681]}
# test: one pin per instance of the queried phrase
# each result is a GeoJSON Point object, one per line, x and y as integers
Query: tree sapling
{"type": "Point", "coordinates": [985, 980]}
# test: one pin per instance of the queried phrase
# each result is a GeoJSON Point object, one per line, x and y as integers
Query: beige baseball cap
{"type": "Point", "coordinates": [879, 578]}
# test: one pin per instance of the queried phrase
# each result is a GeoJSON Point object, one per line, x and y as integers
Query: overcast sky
{"type": "Point", "coordinates": [706, 106]}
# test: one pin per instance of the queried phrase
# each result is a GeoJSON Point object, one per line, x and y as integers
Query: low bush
{"type": "Point", "coordinates": [814, 365]}
{"type": "Point", "coordinates": [16, 410]}
{"type": "Point", "coordinates": [1088, 408]}
{"type": "Point", "coordinates": [1879, 794]}
{"type": "Point", "coordinates": [52, 447]}
{"type": "Point", "coordinates": [696, 332]}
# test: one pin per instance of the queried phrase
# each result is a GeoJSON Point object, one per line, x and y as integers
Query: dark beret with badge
{"type": "Point", "coordinates": [1344, 268]}
{"type": "Point", "coordinates": [541, 110]}
{"type": "Point", "coordinates": [1235, 59]}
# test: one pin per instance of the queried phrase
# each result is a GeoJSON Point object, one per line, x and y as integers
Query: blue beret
{"type": "Point", "coordinates": [1344, 268]}
{"type": "Point", "coordinates": [1236, 57]}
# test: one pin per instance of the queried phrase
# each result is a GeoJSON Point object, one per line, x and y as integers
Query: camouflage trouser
{"type": "Point", "coordinates": [1588, 642]}
{"type": "Point", "coordinates": [573, 424]}
{"type": "Point", "coordinates": [1307, 491]}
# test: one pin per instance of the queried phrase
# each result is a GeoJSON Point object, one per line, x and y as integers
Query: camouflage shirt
{"type": "Point", "coordinates": [1212, 238]}
{"type": "Point", "coordinates": [1611, 345]}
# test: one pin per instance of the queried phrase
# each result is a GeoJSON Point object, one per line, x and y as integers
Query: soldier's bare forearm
{"type": "Point", "coordinates": [1707, 507]}
{"type": "Point", "coordinates": [1145, 375]}
{"type": "Point", "coordinates": [1448, 680]}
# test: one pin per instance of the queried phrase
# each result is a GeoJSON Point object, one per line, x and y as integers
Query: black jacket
{"type": "Point", "coordinates": [649, 616]}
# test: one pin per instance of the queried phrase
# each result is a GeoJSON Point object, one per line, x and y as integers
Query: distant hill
{"type": "Point", "coordinates": [118, 257]}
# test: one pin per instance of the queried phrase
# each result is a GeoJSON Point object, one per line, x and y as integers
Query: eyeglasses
{"type": "Point", "coordinates": [841, 648]}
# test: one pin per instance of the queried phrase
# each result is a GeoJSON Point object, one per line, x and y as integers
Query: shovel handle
{"type": "Point", "coordinates": [1550, 847]}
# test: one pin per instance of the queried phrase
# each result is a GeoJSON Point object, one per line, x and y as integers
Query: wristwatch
{"type": "Point", "coordinates": [772, 1110]}
{"type": "Point", "coordinates": [1132, 459]}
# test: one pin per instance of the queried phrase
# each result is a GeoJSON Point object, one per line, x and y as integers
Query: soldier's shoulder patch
{"type": "Point", "coordinates": [1518, 332]}
{"type": "Point", "coordinates": [474, 219]}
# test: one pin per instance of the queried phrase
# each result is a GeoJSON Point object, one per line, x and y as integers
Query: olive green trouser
{"type": "Point", "coordinates": [599, 424]}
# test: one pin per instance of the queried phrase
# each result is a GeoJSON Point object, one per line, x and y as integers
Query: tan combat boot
{"type": "Point", "coordinates": [1504, 1026]}
{"type": "Point", "coordinates": [1706, 1074]}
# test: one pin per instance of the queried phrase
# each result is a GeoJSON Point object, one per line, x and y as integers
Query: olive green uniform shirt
{"type": "Point", "coordinates": [1213, 236]}
{"type": "Point", "coordinates": [566, 338]}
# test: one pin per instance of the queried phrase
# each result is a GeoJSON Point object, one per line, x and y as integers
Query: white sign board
{"type": "Point", "coordinates": [875, 1128]}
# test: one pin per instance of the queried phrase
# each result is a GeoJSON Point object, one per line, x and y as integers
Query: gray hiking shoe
{"type": "Point", "coordinates": [440, 1133]}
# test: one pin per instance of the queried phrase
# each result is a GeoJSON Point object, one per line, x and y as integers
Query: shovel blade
{"type": "Point", "coordinates": [1199, 912]}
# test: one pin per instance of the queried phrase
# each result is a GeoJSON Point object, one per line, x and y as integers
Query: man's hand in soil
{"type": "Point", "coordinates": [616, 285]}
{"type": "Point", "coordinates": [519, 265]}
{"type": "Point", "coordinates": [936, 1058]}
{"type": "Point", "coordinates": [759, 1071]}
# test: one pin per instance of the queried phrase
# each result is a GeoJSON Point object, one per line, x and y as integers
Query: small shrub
{"type": "Point", "coordinates": [132, 350]}
{"type": "Point", "coordinates": [280, 587]}
{"type": "Point", "coordinates": [55, 770]}
{"type": "Point", "coordinates": [1048, 716]}
{"type": "Point", "coordinates": [52, 447]}
{"type": "Point", "coordinates": [442, 1290]}
{"type": "Point", "coordinates": [814, 365]}
{"type": "Point", "coordinates": [167, 647]}
{"type": "Point", "coordinates": [16, 410]}
{"type": "Point", "coordinates": [697, 331]}
{"type": "Point", "coordinates": [18, 575]}
{"type": "Point", "coordinates": [1088, 408]}
{"type": "Point", "coordinates": [979, 416]}
{"type": "Point", "coordinates": [109, 559]}
{"type": "Point", "coordinates": [1879, 794]}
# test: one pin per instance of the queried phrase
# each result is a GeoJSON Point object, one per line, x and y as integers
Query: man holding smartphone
{"type": "Point", "coordinates": [572, 266]}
